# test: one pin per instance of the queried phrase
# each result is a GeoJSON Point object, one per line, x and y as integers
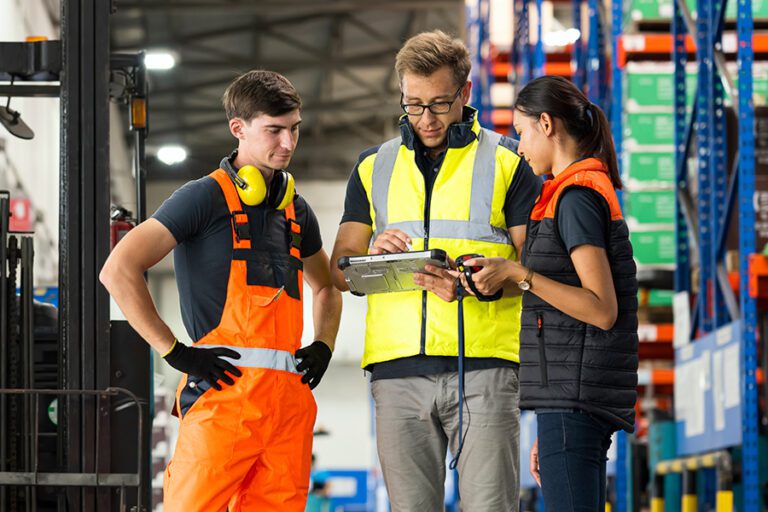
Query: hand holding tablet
{"type": "Point", "coordinates": [385, 273]}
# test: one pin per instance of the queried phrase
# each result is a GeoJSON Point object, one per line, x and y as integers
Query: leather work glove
{"type": "Point", "coordinates": [204, 363]}
{"type": "Point", "coordinates": [314, 362]}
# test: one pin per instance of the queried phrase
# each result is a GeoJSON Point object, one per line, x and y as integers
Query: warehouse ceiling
{"type": "Point", "coordinates": [338, 53]}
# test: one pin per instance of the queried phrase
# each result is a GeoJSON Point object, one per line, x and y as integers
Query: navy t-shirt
{"type": "Point", "coordinates": [521, 195]}
{"type": "Point", "coordinates": [198, 218]}
{"type": "Point", "coordinates": [582, 218]}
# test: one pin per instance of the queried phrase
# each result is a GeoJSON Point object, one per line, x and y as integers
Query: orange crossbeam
{"type": "Point", "coordinates": [503, 69]}
{"type": "Point", "coordinates": [758, 276]}
{"type": "Point", "coordinates": [639, 44]}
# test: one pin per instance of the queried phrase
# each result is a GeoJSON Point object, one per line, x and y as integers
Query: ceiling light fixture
{"type": "Point", "coordinates": [171, 155]}
{"type": "Point", "coordinates": [159, 60]}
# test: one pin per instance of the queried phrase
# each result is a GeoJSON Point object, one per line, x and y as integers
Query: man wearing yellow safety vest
{"type": "Point", "coordinates": [243, 241]}
{"type": "Point", "coordinates": [444, 183]}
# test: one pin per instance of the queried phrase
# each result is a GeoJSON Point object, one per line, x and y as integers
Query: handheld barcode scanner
{"type": "Point", "coordinates": [460, 293]}
{"type": "Point", "coordinates": [469, 271]}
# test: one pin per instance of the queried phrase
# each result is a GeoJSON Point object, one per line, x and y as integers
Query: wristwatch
{"type": "Point", "coordinates": [526, 284]}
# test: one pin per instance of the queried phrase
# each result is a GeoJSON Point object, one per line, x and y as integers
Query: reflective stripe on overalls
{"type": "Point", "coordinates": [249, 446]}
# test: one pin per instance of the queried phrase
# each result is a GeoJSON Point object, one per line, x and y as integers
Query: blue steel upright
{"type": "Point", "coordinates": [617, 101]}
{"type": "Point", "coordinates": [704, 126]}
{"type": "Point", "coordinates": [718, 173]}
{"type": "Point", "coordinates": [577, 66]}
{"type": "Point", "coordinates": [478, 18]}
{"type": "Point", "coordinates": [682, 146]}
{"type": "Point", "coordinates": [593, 70]}
{"type": "Point", "coordinates": [749, 405]}
{"type": "Point", "coordinates": [539, 58]}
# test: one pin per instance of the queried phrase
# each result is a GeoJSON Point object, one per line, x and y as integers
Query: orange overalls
{"type": "Point", "coordinates": [249, 446]}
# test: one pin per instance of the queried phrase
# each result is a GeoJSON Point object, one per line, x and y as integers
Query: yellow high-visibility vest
{"type": "Point", "coordinates": [466, 215]}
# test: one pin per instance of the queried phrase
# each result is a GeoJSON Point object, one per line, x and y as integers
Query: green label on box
{"type": "Point", "coordinates": [650, 129]}
{"type": "Point", "coordinates": [651, 206]}
{"type": "Point", "coordinates": [650, 167]}
{"type": "Point", "coordinates": [653, 247]}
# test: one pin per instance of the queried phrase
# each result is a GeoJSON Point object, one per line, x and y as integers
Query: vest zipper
{"type": "Point", "coordinates": [423, 348]}
{"type": "Point", "coordinates": [542, 351]}
{"type": "Point", "coordinates": [427, 206]}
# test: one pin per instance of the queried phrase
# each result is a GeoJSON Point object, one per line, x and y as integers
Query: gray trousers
{"type": "Point", "coordinates": [417, 420]}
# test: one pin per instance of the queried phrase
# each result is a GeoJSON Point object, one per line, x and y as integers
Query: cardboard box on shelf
{"type": "Point", "coordinates": [650, 128]}
{"type": "Point", "coordinates": [645, 169]}
{"type": "Point", "coordinates": [650, 206]}
{"type": "Point", "coordinates": [650, 10]}
{"type": "Point", "coordinates": [655, 247]}
{"type": "Point", "coordinates": [652, 84]}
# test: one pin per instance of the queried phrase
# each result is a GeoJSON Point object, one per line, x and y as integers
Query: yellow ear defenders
{"type": "Point", "coordinates": [253, 191]}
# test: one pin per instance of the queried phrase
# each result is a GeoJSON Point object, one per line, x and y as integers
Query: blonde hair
{"type": "Point", "coordinates": [425, 53]}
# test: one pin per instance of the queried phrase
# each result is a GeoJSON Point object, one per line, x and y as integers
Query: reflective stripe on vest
{"type": "Point", "coordinates": [466, 215]}
{"type": "Point", "coordinates": [259, 358]}
{"type": "Point", "coordinates": [478, 226]}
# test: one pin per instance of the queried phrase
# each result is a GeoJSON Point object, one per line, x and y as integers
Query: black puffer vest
{"type": "Point", "coordinates": [565, 362]}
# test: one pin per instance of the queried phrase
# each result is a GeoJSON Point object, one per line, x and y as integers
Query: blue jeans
{"type": "Point", "coordinates": [573, 447]}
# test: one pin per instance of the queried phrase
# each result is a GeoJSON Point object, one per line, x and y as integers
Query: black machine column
{"type": "Point", "coordinates": [84, 218]}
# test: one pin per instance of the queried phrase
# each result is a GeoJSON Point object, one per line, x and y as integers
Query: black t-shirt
{"type": "Point", "coordinates": [198, 218]}
{"type": "Point", "coordinates": [522, 193]}
{"type": "Point", "coordinates": [582, 218]}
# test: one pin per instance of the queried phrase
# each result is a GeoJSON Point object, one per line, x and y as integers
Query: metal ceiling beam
{"type": "Point", "coordinates": [379, 111]}
{"type": "Point", "coordinates": [338, 67]}
{"type": "Point", "coordinates": [227, 30]}
{"type": "Point", "coordinates": [378, 58]}
{"type": "Point", "coordinates": [352, 104]}
{"type": "Point", "coordinates": [313, 7]}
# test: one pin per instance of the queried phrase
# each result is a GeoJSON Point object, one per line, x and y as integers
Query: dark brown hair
{"type": "Point", "coordinates": [425, 53]}
{"type": "Point", "coordinates": [260, 92]}
{"type": "Point", "coordinates": [583, 120]}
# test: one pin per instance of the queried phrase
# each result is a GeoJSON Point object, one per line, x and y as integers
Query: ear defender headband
{"type": "Point", "coordinates": [252, 188]}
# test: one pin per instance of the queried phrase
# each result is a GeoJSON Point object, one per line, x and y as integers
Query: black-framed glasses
{"type": "Point", "coordinates": [436, 107]}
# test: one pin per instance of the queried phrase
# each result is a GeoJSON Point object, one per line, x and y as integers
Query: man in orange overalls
{"type": "Point", "coordinates": [243, 242]}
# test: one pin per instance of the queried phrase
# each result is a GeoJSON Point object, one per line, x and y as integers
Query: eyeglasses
{"type": "Point", "coordinates": [436, 107]}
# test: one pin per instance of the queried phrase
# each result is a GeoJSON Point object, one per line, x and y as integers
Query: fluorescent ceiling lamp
{"type": "Point", "coordinates": [171, 155]}
{"type": "Point", "coordinates": [159, 60]}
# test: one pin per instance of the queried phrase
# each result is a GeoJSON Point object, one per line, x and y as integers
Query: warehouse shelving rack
{"type": "Point", "coordinates": [702, 221]}
{"type": "Point", "coordinates": [716, 304]}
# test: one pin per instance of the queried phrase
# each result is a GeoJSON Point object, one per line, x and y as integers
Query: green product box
{"type": "Point", "coordinates": [650, 9]}
{"type": "Point", "coordinates": [759, 8]}
{"type": "Point", "coordinates": [650, 167]}
{"type": "Point", "coordinates": [650, 206]}
{"type": "Point", "coordinates": [654, 247]}
{"type": "Point", "coordinates": [660, 297]}
{"type": "Point", "coordinates": [656, 87]}
{"type": "Point", "coordinates": [650, 128]}
{"type": "Point", "coordinates": [642, 10]}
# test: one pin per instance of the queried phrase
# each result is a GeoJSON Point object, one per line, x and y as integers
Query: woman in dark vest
{"type": "Point", "coordinates": [578, 339]}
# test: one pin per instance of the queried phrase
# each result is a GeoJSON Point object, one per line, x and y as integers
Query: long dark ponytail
{"type": "Point", "coordinates": [583, 120]}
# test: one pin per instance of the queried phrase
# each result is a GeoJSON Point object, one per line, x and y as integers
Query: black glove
{"type": "Point", "coordinates": [204, 363]}
{"type": "Point", "coordinates": [314, 362]}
